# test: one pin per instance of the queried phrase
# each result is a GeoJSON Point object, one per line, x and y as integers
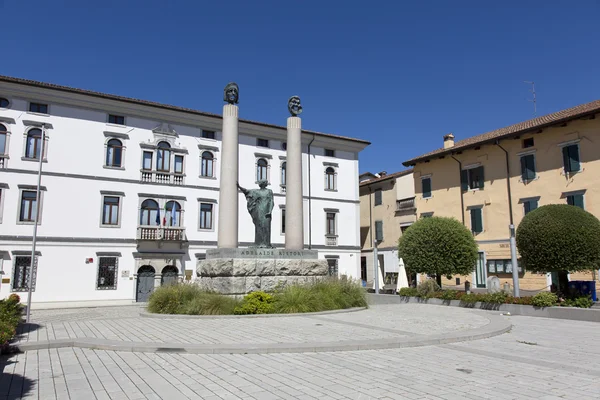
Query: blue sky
{"type": "Point", "coordinates": [399, 74]}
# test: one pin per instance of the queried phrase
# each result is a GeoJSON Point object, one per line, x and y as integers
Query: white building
{"type": "Point", "coordinates": [130, 193]}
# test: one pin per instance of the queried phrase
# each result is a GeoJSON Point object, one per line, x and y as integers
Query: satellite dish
{"type": "Point", "coordinates": [493, 284]}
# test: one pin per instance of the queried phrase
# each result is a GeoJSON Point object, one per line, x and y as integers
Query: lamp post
{"type": "Point", "coordinates": [376, 268]}
{"type": "Point", "coordinates": [513, 256]}
{"type": "Point", "coordinates": [35, 225]}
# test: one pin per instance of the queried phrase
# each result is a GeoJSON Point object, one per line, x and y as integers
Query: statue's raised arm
{"type": "Point", "coordinates": [243, 190]}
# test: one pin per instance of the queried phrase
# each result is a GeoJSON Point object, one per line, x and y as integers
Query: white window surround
{"type": "Point", "coordinates": [5, 156]}
{"type": "Point", "coordinates": [121, 196]}
{"type": "Point", "coordinates": [30, 188]}
{"type": "Point", "coordinates": [45, 143]}
{"type": "Point", "coordinates": [48, 105]}
{"type": "Point", "coordinates": [471, 166]}
{"type": "Point", "coordinates": [123, 150]}
{"type": "Point", "coordinates": [161, 200]}
{"type": "Point", "coordinates": [283, 175]}
{"type": "Point", "coordinates": [212, 150]}
{"type": "Point", "coordinates": [212, 202]}
{"type": "Point", "coordinates": [108, 114]}
{"type": "Point", "coordinates": [326, 176]}
{"type": "Point", "coordinates": [526, 152]}
{"type": "Point", "coordinates": [3, 190]}
{"type": "Point", "coordinates": [568, 143]}
{"type": "Point", "coordinates": [336, 212]}
{"type": "Point", "coordinates": [267, 158]}
{"type": "Point", "coordinates": [153, 148]}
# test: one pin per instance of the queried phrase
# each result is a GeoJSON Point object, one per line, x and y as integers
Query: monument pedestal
{"type": "Point", "coordinates": [241, 271]}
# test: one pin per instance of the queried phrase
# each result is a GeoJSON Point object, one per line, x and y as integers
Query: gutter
{"type": "Point", "coordinates": [309, 198]}
{"type": "Point", "coordinates": [462, 200]}
{"type": "Point", "coordinates": [510, 208]}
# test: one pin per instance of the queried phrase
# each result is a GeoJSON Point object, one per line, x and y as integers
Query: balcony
{"type": "Point", "coordinates": [165, 178]}
{"type": "Point", "coordinates": [405, 204]}
{"type": "Point", "coordinates": [161, 233]}
{"type": "Point", "coordinates": [330, 240]}
{"type": "Point", "coordinates": [3, 159]}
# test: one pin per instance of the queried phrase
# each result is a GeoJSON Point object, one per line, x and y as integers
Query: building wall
{"type": "Point", "coordinates": [550, 186]}
{"type": "Point", "coordinates": [70, 232]}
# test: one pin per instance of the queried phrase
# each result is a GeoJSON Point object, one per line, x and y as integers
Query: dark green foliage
{"type": "Point", "coordinates": [255, 303]}
{"type": "Point", "coordinates": [544, 299]}
{"type": "Point", "coordinates": [580, 302]}
{"type": "Point", "coordinates": [188, 298]}
{"type": "Point", "coordinates": [10, 316]}
{"type": "Point", "coordinates": [427, 288]}
{"type": "Point", "coordinates": [438, 246]}
{"type": "Point", "coordinates": [409, 292]}
{"type": "Point", "coordinates": [559, 237]}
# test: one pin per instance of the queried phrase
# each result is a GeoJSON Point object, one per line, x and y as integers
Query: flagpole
{"type": "Point", "coordinates": [35, 225]}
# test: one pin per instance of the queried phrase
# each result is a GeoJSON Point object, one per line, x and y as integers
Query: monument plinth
{"type": "Point", "coordinates": [236, 271]}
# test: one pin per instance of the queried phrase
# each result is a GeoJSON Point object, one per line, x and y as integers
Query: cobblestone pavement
{"type": "Point", "coordinates": [125, 324]}
{"type": "Point", "coordinates": [539, 359]}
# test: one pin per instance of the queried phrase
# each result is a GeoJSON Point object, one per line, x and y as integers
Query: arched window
{"type": "Point", "coordinates": [173, 216]}
{"type": "Point", "coordinates": [33, 147]}
{"type": "Point", "coordinates": [149, 214]}
{"type": "Point", "coordinates": [163, 157]}
{"type": "Point", "coordinates": [283, 174]}
{"type": "Point", "coordinates": [3, 133]}
{"type": "Point", "coordinates": [261, 169]}
{"type": "Point", "coordinates": [330, 178]}
{"type": "Point", "coordinates": [114, 153]}
{"type": "Point", "coordinates": [207, 164]}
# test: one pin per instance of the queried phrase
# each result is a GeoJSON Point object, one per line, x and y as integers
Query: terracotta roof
{"type": "Point", "coordinates": [155, 104]}
{"type": "Point", "coordinates": [514, 130]}
{"type": "Point", "coordinates": [388, 176]}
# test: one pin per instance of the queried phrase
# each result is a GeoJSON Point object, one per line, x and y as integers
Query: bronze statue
{"type": "Point", "coordinates": [231, 93]}
{"type": "Point", "coordinates": [260, 206]}
{"type": "Point", "coordinates": [294, 106]}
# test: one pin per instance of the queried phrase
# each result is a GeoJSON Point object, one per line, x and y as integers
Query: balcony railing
{"type": "Point", "coordinates": [331, 240]}
{"type": "Point", "coordinates": [3, 161]}
{"type": "Point", "coordinates": [405, 204]}
{"type": "Point", "coordinates": [168, 233]}
{"type": "Point", "coordinates": [166, 178]}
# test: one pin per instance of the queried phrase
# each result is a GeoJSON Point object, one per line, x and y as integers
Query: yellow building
{"type": "Point", "coordinates": [387, 208]}
{"type": "Point", "coordinates": [492, 180]}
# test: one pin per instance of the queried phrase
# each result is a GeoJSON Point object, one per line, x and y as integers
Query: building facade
{"type": "Point", "coordinates": [387, 209]}
{"type": "Point", "coordinates": [493, 180]}
{"type": "Point", "coordinates": [129, 193]}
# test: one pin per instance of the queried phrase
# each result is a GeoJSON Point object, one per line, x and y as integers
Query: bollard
{"type": "Point", "coordinates": [506, 287]}
{"type": "Point", "coordinates": [467, 287]}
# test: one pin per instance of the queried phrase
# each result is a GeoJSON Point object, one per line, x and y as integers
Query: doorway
{"type": "Point", "coordinates": [480, 271]}
{"type": "Point", "coordinates": [145, 283]}
{"type": "Point", "coordinates": [169, 275]}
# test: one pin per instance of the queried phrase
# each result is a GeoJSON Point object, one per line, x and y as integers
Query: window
{"type": "Point", "coordinates": [571, 158]}
{"type": "Point", "coordinates": [332, 264]}
{"type": "Point", "coordinates": [575, 200]}
{"type": "Point", "coordinates": [28, 206]}
{"type": "Point", "coordinates": [527, 167]}
{"type": "Point", "coordinates": [403, 228]}
{"type": "Point", "coordinates": [114, 153]}
{"type": "Point", "coordinates": [116, 119]}
{"type": "Point", "coordinates": [172, 214]}
{"type": "Point", "coordinates": [527, 143]}
{"type": "Point", "coordinates": [149, 214]}
{"type": "Point", "coordinates": [107, 273]}
{"type": "Point", "coordinates": [330, 178]}
{"type": "Point", "coordinates": [378, 199]}
{"type": "Point", "coordinates": [379, 231]}
{"type": "Point", "coordinates": [110, 210]}
{"type": "Point", "coordinates": [262, 142]}
{"type": "Point", "coordinates": [501, 267]}
{"type": "Point", "coordinates": [426, 187]}
{"type": "Point", "coordinates": [163, 157]}
{"type": "Point", "coordinates": [206, 215]}
{"type": "Point", "coordinates": [3, 136]}
{"type": "Point", "coordinates": [4, 103]}
{"type": "Point", "coordinates": [283, 173]}
{"type": "Point", "coordinates": [38, 108]}
{"type": "Point", "coordinates": [331, 231]}
{"type": "Point", "coordinates": [472, 178]}
{"type": "Point", "coordinates": [426, 215]}
{"type": "Point", "coordinates": [284, 146]}
{"type": "Point", "coordinates": [178, 164]}
{"type": "Point", "coordinates": [283, 220]}
{"type": "Point", "coordinates": [329, 153]}
{"type": "Point", "coordinates": [529, 205]}
{"type": "Point", "coordinates": [476, 220]}
{"type": "Point", "coordinates": [33, 145]}
{"type": "Point", "coordinates": [208, 134]}
{"type": "Point", "coordinates": [147, 161]}
{"type": "Point", "coordinates": [261, 170]}
{"type": "Point", "coordinates": [21, 271]}
{"type": "Point", "coordinates": [207, 164]}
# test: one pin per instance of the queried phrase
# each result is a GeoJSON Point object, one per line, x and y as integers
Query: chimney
{"type": "Point", "coordinates": [383, 173]}
{"type": "Point", "coordinates": [448, 141]}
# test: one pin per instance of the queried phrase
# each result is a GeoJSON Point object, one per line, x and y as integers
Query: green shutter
{"type": "Point", "coordinates": [574, 157]}
{"type": "Point", "coordinates": [578, 200]}
{"type": "Point", "coordinates": [524, 171]}
{"type": "Point", "coordinates": [527, 207]}
{"type": "Point", "coordinates": [533, 204]}
{"type": "Point", "coordinates": [476, 220]}
{"type": "Point", "coordinates": [571, 200]}
{"type": "Point", "coordinates": [566, 159]}
{"type": "Point", "coordinates": [527, 167]}
{"type": "Point", "coordinates": [426, 183]}
{"type": "Point", "coordinates": [464, 180]}
{"type": "Point", "coordinates": [481, 177]}
{"type": "Point", "coordinates": [379, 230]}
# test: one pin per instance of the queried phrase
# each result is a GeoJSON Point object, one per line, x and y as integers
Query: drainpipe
{"type": "Point", "coordinates": [511, 227]}
{"type": "Point", "coordinates": [462, 200]}
{"type": "Point", "coordinates": [309, 198]}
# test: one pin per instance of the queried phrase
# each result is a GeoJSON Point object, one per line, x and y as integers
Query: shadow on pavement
{"type": "Point", "coordinates": [13, 386]}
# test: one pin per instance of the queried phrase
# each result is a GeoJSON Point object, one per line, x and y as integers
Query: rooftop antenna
{"type": "Point", "coordinates": [534, 98]}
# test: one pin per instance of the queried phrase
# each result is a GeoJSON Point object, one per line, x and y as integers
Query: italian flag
{"type": "Point", "coordinates": [165, 216]}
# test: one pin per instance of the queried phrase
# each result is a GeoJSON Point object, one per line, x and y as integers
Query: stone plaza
{"type": "Point", "coordinates": [396, 351]}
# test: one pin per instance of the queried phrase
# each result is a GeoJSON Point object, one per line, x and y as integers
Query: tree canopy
{"type": "Point", "coordinates": [438, 246]}
{"type": "Point", "coordinates": [559, 237]}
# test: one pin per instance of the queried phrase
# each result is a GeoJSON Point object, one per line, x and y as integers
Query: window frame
{"type": "Point", "coordinates": [574, 196]}
{"type": "Point", "coordinates": [524, 146]}
{"type": "Point", "coordinates": [6, 133]}
{"type": "Point", "coordinates": [206, 134]}
{"type": "Point", "coordinates": [562, 149]}
{"type": "Point", "coordinates": [179, 213]}
{"type": "Point", "coordinates": [265, 143]}
{"type": "Point", "coordinates": [162, 151]}
{"type": "Point", "coordinates": [25, 287]}
{"type": "Point", "coordinates": [380, 230]}
{"type": "Point", "coordinates": [116, 273]}
{"type": "Point", "coordinates": [42, 141]}
{"type": "Point", "coordinates": [108, 120]}
{"type": "Point", "coordinates": [283, 174]}
{"type": "Point", "coordinates": [31, 103]}
{"type": "Point", "coordinates": [423, 180]}
{"type": "Point", "coordinates": [39, 208]}
{"type": "Point", "coordinates": [426, 214]}
{"type": "Point", "coordinates": [212, 215]}
{"type": "Point", "coordinates": [103, 196]}
{"type": "Point", "coordinates": [467, 172]}
{"type": "Point", "coordinates": [142, 208]}
{"type": "Point", "coordinates": [202, 164]}
{"type": "Point", "coordinates": [107, 147]}
{"type": "Point", "coordinates": [8, 103]}
{"type": "Point", "coordinates": [334, 213]}
{"type": "Point", "coordinates": [151, 153]}
{"type": "Point", "coordinates": [527, 204]}
{"type": "Point", "coordinates": [375, 203]}
{"type": "Point", "coordinates": [522, 157]}
{"type": "Point", "coordinates": [478, 209]}
{"type": "Point", "coordinates": [335, 267]}
{"type": "Point", "coordinates": [182, 171]}
{"type": "Point", "coordinates": [329, 153]}
{"type": "Point", "coordinates": [266, 167]}
{"type": "Point", "coordinates": [330, 179]}
{"type": "Point", "coordinates": [282, 224]}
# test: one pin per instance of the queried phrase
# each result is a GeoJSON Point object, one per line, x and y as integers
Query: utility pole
{"type": "Point", "coordinates": [35, 225]}
{"type": "Point", "coordinates": [534, 98]}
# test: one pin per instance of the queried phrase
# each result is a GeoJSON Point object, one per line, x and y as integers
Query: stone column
{"type": "Point", "coordinates": [228, 192]}
{"type": "Point", "coordinates": [294, 214]}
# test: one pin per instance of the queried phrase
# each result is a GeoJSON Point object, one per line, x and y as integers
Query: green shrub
{"type": "Point", "coordinates": [469, 298]}
{"type": "Point", "coordinates": [449, 295]}
{"type": "Point", "coordinates": [7, 332]}
{"type": "Point", "coordinates": [544, 299]}
{"type": "Point", "coordinates": [559, 237]}
{"type": "Point", "coordinates": [171, 299]}
{"type": "Point", "coordinates": [255, 303]}
{"type": "Point", "coordinates": [10, 316]}
{"type": "Point", "coordinates": [14, 298]}
{"type": "Point", "coordinates": [427, 288]}
{"type": "Point", "coordinates": [438, 246]}
{"type": "Point", "coordinates": [581, 302]}
{"type": "Point", "coordinates": [295, 299]}
{"type": "Point", "coordinates": [409, 292]}
{"type": "Point", "coordinates": [210, 304]}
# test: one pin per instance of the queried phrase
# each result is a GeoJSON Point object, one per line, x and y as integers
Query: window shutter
{"type": "Point", "coordinates": [476, 222]}
{"type": "Point", "coordinates": [574, 157]}
{"type": "Point", "coordinates": [578, 200]}
{"type": "Point", "coordinates": [571, 200]}
{"type": "Point", "coordinates": [379, 230]}
{"type": "Point", "coordinates": [533, 204]}
{"type": "Point", "coordinates": [566, 159]}
{"type": "Point", "coordinates": [481, 177]}
{"type": "Point", "coordinates": [426, 183]}
{"type": "Point", "coordinates": [530, 161]}
{"type": "Point", "coordinates": [524, 176]}
{"type": "Point", "coordinates": [464, 180]}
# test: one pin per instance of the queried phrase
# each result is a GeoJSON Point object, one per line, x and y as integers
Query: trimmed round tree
{"type": "Point", "coordinates": [559, 238]}
{"type": "Point", "coordinates": [438, 246]}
